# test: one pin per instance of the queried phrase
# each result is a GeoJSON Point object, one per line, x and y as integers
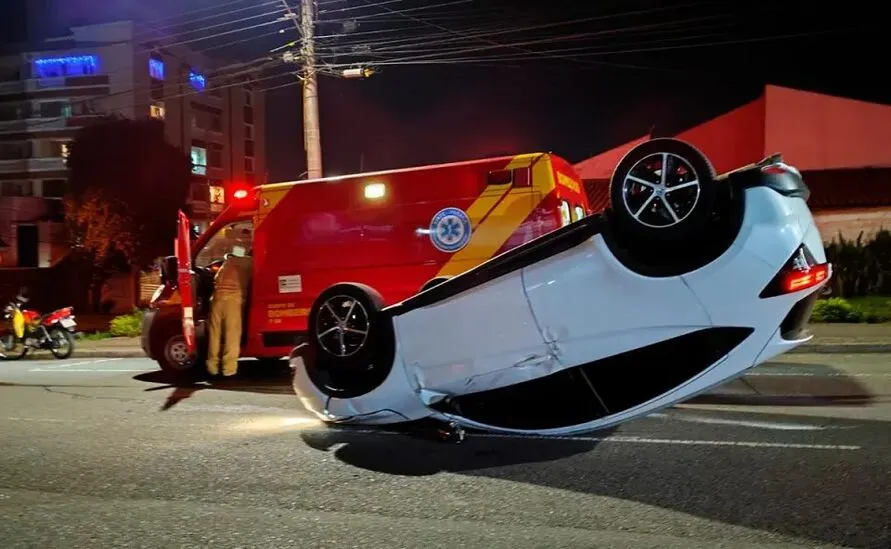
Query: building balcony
{"type": "Point", "coordinates": [30, 165]}
{"type": "Point", "coordinates": [33, 85]}
{"type": "Point", "coordinates": [46, 124]}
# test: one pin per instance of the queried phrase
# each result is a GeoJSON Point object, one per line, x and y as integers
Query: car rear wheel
{"type": "Point", "coordinates": [352, 340]}
{"type": "Point", "coordinates": [663, 193]}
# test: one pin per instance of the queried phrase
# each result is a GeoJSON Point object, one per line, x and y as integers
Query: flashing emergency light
{"type": "Point", "coordinates": [240, 194]}
{"type": "Point", "coordinates": [375, 191]}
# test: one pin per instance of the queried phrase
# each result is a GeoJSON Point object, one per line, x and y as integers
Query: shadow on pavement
{"type": "Point", "coordinates": [267, 378]}
{"type": "Point", "coordinates": [409, 451]}
{"type": "Point", "coordinates": [825, 496]}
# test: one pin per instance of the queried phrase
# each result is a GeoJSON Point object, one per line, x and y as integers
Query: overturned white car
{"type": "Point", "coordinates": [688, 280]}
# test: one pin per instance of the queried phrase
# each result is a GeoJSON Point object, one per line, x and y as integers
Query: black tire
{"type": "Point", "coordinates": [434, 282]}
{"type": "Point", "coordinates": [360, 362]}
{"type": "Point", "coordinates": [7, 356]}
{"type": "Point", "coordinates": [167, 347]}
{"type": "Point", "coordinates": [640, 211]}
{"type": "Point", "coordinates": [57, 333]}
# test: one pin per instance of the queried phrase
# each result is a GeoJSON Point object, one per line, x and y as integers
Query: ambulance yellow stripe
{"type": "Point", "coordinates": [269, 199]}
{"type": "Point", "coordinates": [504, 220]}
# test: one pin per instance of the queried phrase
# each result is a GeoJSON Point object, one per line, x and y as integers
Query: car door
{"type": "Point", "coordinates": [184, 279]}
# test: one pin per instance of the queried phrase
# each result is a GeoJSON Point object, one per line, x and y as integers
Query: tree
{"type": "Point", "coordinates": [126, 184]}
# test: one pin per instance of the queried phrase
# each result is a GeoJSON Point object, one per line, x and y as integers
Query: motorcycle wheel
{"type": "Point", "coordinates": [66, 341]}
{"type": "Point", "coordinates": [6, 343]}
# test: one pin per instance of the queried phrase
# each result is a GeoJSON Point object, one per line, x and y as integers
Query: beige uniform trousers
{"type": "Point", "coordinates": [224, 330]}
{"type": "Point", "coordinates": [226, 308]}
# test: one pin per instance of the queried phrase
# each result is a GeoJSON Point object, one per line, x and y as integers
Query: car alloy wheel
{"type": "Point", "coordinates": [661, 190]}
{"type": "Point", "coordinates": [342, 326]}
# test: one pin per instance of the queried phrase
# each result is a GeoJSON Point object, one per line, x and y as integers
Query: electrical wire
{"type": "Point", "coordinates": [215, 16]}
{"type": "Point", "coordinates": [409, 61]}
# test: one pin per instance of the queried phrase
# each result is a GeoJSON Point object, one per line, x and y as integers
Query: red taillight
{"type": "Point", "coordinates": [799, 273]}
{"type": "Point", "coordinates": [240, 194]}
{"type": "Point", "coordinates": [797, 281]}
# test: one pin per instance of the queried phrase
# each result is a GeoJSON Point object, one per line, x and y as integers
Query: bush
{"type": "Point", "coordinates": [861, 268]}
{"type": "Point", "coordinates": [873, 309]}
{"type": "Point", "coordinates": [835, 309]}
{"type": "Point", "coordinates": [127, 325]}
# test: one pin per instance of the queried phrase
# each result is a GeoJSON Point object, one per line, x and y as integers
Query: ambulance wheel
{"type": "Point", "coordinates": [434, 282]}
{"type": "Point", "coordinates": [663, 193]}
{"type": "Point", "coordinates": [352, 340]}
{"type": "Point", "coordinates": [171, 352]}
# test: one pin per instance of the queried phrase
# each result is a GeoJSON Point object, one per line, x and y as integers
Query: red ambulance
{"type": "Point", "coordinates": [398, 231]}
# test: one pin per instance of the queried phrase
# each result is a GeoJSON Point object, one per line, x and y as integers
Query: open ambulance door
{"type": "Point", "coordinates": [184, 279]}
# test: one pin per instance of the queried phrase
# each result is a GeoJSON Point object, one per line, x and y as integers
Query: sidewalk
{"type": "Point", "coordinates": [828, 338]}
{"type": "Point", "coordinates": [116, 347]}
{"type": "Point", "coordinates": [848, 338]}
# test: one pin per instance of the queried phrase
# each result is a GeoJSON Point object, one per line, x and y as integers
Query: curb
{"type": "Point", "coordinates": [96, 353]}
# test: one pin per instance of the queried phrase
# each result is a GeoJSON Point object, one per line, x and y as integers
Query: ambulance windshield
{"type": "Point", "coordinates": [235, 238]}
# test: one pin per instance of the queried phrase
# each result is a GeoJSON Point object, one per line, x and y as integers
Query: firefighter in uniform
{"type": "Point", "coordinates": [226, 309]}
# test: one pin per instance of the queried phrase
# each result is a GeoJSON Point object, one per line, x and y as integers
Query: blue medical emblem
{"type": "Point", "coordinates": [450, 230]}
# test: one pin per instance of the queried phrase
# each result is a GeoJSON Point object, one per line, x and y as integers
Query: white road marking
{"type": "Point", "coordinates": [812, 374]}
{"type": "Point", "coordinates": [69, 365]}
{"type": "Point", "coordinates": [642, 440]}
{"type": "Point", "coordinates": [81, 370]}
{"type": "Point", "coordinates": [41, 420]}
{"type": "Point", "coordinates": [773, 425]}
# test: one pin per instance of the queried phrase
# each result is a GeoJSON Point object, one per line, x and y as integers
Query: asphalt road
{"type": "Point", "coordinates": [105, 453]}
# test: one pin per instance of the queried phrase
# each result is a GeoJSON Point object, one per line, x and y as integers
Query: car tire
{"type": "Point", "coordinates": [359, 362]}
{"type": "Point", "coordinates": [653, 210]}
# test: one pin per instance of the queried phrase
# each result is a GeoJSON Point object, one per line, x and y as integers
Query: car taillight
{"type": "Point", "coordinates": [799, 273]}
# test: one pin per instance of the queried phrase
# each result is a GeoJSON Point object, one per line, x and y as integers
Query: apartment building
{"type": "Point", "coordinates": [47, 95]}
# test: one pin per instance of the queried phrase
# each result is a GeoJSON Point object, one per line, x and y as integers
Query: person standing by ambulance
{"type": "Point", "coordinates": [226, 310]}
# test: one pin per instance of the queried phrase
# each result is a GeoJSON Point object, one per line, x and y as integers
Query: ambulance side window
{"type": "Point", "coordinates": [235, 238]}
{"type": "Point", "coordinates": [565, 214]}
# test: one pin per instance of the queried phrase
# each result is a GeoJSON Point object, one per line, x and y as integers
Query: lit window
{"type": "Point", "coordinates": [199, 160]}
{"type": "Point", "coordinates": [375, 191]}
{"type": "Point", "coordinates": [65, 150]}
{"type": "Point", "coordinates": [157, 111]}
{"type": "Point", "coordinates": [197, 80]}
{"type": "Point", "coordinates": [217, 195]}
{"type": "Point", "coordinates": [70, 65]}
{"type": "Point", "coordinates": [579, 212]}
{"type": "Point", "coordinates": [156, 69]}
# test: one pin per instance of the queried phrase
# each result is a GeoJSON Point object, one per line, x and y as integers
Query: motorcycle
{"type": "Point", "coordinates": [29, 330]}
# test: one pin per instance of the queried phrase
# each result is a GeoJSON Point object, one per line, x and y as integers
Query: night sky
{"type": "Point", "coordinates": [621, 75]}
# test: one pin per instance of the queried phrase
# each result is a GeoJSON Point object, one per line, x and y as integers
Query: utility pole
{"type": "Point", "coordinates": [311, 133]}
{"type": "Point", "coordinates": [312, 138]}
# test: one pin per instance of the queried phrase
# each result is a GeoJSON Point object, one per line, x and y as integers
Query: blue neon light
{"type": "Point", "coordinates": [197, 80]}
{"type": "Point", "coordinates": [68, 65]}
{"type": "Point", "coordinates": [156, 68]}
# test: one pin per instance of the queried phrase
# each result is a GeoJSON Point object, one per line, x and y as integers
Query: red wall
{"type": "Point", "coordinates": [733, 139]}
{"type": "Point", "coordinates": [819, 132]}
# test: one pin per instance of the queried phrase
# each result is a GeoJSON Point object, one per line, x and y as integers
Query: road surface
{"type": "Point", "coordinates": [106, 453]}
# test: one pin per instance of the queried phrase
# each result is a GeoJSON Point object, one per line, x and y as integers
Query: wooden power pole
{"type": "Point", "coordinates": [312, 137]}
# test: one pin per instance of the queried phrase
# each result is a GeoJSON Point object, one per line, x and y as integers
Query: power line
{"type": "Point", "coordinates": [205, 18]}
